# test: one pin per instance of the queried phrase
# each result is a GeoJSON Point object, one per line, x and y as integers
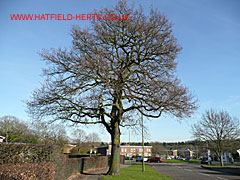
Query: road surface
{"type": "Point", "coordinates": [191, 171]}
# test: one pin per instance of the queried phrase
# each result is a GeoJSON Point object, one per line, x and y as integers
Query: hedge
{"type": "Point", "coordinates": [27, 171]}
{"type": "Point", "coordinates": [11, 153]}
{"type": "Point", "coordinates": [43, 162]}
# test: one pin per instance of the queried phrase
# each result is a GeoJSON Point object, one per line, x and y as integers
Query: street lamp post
{"type": "Point", "coordinates": [143, 164]}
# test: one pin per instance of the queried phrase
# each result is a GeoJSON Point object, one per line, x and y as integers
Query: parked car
{"type": "Point", "coordinates": [139, 159]}
{"type": "Point", "coordinates": [128, 158]}
{"type": "Point", "coordinates": [155, 159]}
{"type": "Point", "coordinates": [206, 160]}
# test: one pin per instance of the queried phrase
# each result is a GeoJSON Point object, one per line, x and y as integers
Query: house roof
{"type": "Point", "coordinates": [134, 146]}
{"type": "Point", "coordinates": [71, 145]}
{"type": "Point", "coordinates": [122, 146]}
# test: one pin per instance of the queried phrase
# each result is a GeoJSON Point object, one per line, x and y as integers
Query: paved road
{"type": "Point", "coordinates": [191, 171]}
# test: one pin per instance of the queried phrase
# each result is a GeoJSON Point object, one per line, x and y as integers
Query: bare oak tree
{"type": "Point", "coordinates": [114, 70]}
{"type": "Point", "coordinates": [217, 129]}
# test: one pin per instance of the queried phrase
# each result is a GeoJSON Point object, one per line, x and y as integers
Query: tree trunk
{"type": "Point", "coordinates": [114, 168]}
{"type": "Point", "coordinates": [221, 159]}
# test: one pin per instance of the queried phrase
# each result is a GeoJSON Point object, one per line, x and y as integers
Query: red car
{"type": "Point", "coordinates": [155, 159]}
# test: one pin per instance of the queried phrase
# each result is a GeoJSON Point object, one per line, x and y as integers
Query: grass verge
{"type": "Point", "coordinates": [134, 172]}
{"type": "Point", "coordinates": [228, 169]}
{"type": "Point", "coordinates": [179, 161]}
{"type": "Point", "coordinates": [216, 166]}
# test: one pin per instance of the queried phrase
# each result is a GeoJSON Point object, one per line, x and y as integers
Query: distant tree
{"type": "Point", "coordinates": [233, 146]}
{"type": "Point", "coordinates": [158, 149]}
{"type": "Point", "coordinates": [79, 136]}
{"type": "Point", "coordinates": [59, 134]}
{"type": "Point", "coordinates": [50, 133]}
{"type": "Point", "coordinates": [114, 71]}
{"type": "Point", "coordinates": [103, 143]}
{"type": "Point", "coordinates": [93, 138]}
{"type": "Point", "coordinates": [217, 129]}
{"type": "Point", "coordinates": [15, 130]}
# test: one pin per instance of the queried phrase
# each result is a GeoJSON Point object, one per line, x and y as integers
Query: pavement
{"type": "Point", "coordinates": [94, 175]}
{"type": "Point", "coordinates": [191, 171]}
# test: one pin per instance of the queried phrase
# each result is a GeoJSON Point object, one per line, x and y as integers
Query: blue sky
{"type": "Point", "coordinates": [209, 64]}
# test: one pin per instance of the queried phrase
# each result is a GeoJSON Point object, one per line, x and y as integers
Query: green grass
{"type": "Point", "coordinates": [178, 161]}
{"type": "Point", "coordinates": [192, 161]}
{"type": "Point", "coordinates": [230, 169]}
{"type": "Point", "coordinates": [171, 161]}
{"type": "Point", "coordinates": [216, 166]}
{"type": "Point", "coordinates": [134, 172]}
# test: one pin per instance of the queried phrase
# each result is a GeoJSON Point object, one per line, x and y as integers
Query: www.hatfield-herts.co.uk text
{"type": "Point", "coordinates": [64, 17]}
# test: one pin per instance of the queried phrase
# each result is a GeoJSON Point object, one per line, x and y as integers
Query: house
{"type": "Point", "coordinates": [2, 138]}
{"type": "Point", "coordinates": [227, 157]}
{"type": "Point", "coordinates": [128, 151]}
{"type": "Point", "coordinates": [68, 148]}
